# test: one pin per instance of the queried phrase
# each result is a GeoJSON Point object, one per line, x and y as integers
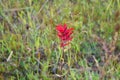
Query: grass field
{"type": "Point", "coordinates": [30, 48]}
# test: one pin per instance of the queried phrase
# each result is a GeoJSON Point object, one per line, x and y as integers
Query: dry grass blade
{"type": "Point", "coordinates": [9, 57]}
{"type": "Point", "coordinates": [42, 6]}
{"type": "Point", "coordinates": [16, 9]}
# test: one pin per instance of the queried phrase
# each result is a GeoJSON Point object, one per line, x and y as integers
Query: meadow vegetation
{"type": "Point", "coordinates": [30, 48]}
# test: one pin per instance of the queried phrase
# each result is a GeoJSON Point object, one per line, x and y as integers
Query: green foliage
{"type": "Point", "coordinates": [27, 28]}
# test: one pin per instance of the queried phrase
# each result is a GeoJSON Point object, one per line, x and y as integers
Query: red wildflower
{"type": "Point", "coordinates": [64, 34]}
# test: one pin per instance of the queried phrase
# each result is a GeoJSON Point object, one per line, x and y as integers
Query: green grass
{"type": "Point", "coordinates": [30, 49]}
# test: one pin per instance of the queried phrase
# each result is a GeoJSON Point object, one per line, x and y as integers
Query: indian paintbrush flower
{"type": "Point", "coordinates": [64, 33]}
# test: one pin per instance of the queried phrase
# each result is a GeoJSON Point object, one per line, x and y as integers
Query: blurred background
{"type": "Point", "coordinates": [30, 48]}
